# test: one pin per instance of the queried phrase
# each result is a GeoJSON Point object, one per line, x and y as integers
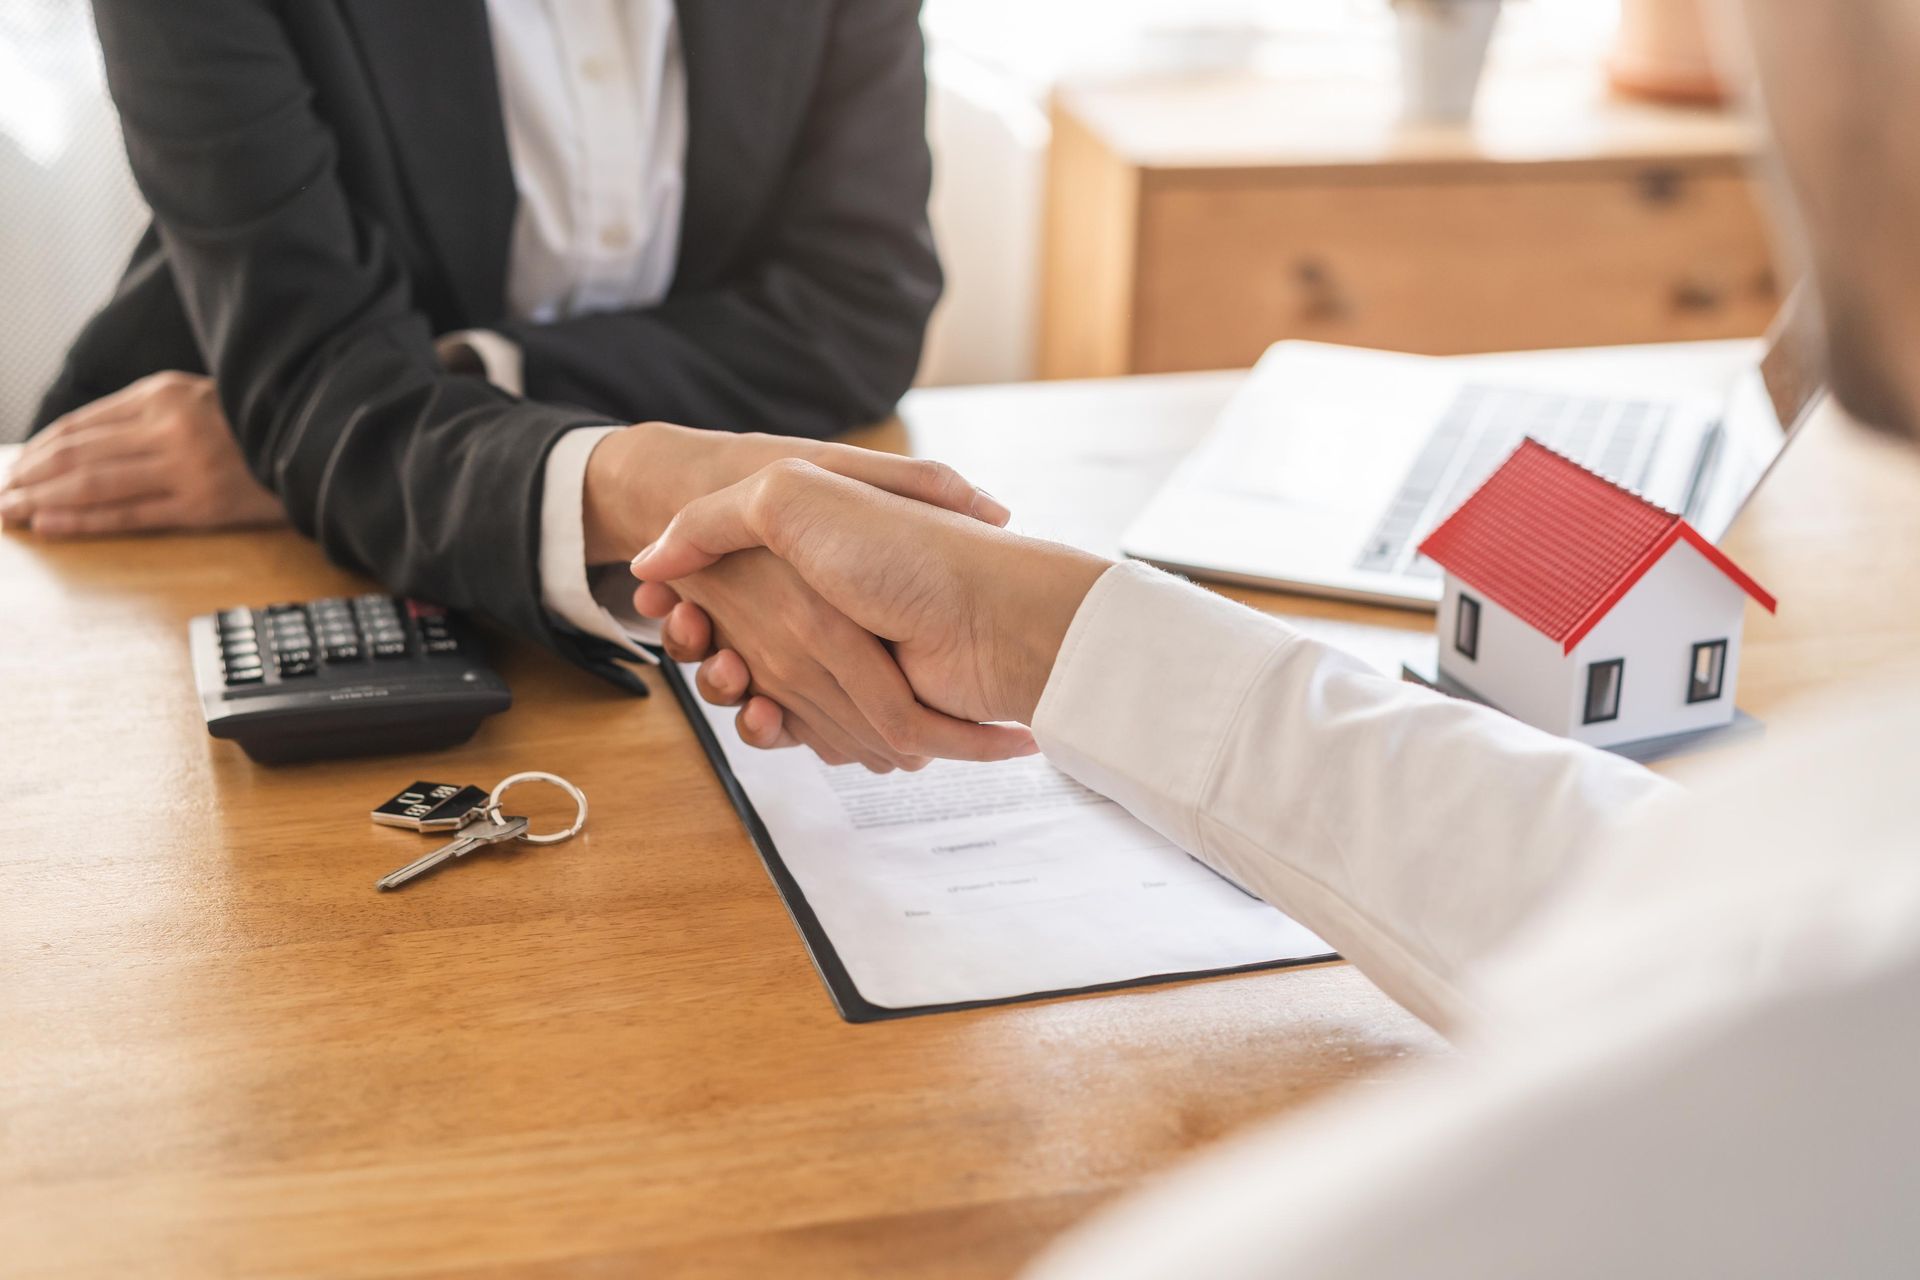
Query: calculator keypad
{"type": "Point", "coordinates": [239, 647]}
{"type": "Point", "coordinates": [296, 640]}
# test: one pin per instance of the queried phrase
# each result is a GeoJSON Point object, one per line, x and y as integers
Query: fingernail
{"type": "Point", "coordinates": [989, 508]}
{"type": "Point", "coordinates": [645, 551]}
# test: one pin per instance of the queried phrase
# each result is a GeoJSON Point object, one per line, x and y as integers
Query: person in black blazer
{"type": "Point", "coordinates": [332, 193]}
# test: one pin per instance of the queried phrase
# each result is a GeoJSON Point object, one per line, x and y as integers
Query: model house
{"type": "Point", "coordinates": [1579, 607]}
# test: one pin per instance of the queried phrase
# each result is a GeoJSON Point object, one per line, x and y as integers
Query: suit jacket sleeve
{"type": "Point", "coordinates": [326, 368]}
{"type": "Point", "coordinates": [821, 328]}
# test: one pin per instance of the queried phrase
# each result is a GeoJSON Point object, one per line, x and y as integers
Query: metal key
{"type": "Point", "coordinates": [478, 836]}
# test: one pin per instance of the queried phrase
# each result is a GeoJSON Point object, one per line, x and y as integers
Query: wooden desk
{"type": "Point", "coordinates": [1193, 221]}
{"type": "Point", "coordinates": [222, 1053]}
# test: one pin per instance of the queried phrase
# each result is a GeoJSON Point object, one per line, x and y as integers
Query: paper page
{"type": "Point", "coordinates": [987, 881]}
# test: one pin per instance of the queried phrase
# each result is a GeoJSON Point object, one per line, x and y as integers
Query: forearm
{"type": "Point", "coordinates": [1414, 832]}
{"type": "Point", "coordinates": [307, 317]}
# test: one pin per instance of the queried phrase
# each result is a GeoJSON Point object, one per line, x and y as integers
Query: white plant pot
{"type": "Point", "coordinates": [1443, 47]}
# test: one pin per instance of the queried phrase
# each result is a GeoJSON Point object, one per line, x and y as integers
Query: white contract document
{"type": "Point", "coordinates": [979, 882]}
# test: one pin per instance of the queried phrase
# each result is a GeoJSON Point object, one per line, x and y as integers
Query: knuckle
{"type": "Point", "coordinates": [779, 669]}
{"type": "Point", "coordinates": [896, 727]}
{"type": "Point", "coordinates": [939, 478]}
{"type": "Point", "coordinates": [783, 475]}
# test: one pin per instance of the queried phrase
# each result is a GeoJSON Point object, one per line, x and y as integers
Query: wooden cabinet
{"type": "Point", "coordinates": [1192, 223]}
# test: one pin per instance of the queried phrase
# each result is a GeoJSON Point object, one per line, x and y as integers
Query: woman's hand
{"type": "Point", "coordinates": [155, 455]}
{"type": "Point", "coordinates": [842, 691]}
{"type": "Point", "coordinates": [973, 614]}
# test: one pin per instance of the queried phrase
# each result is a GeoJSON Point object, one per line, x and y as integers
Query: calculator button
{"type": "Point", "coordinates": [288, 670]}
{"type": "Point", "coordinates": [239, 648]}
{"type": "Point", "coordinates": [343, 653]}
{"type": "Point", "coordinates": [389, 648]}
{"type": "Point", "coordinates": [293, 657]}
{"type": "Point", "coordinates": [236, 619]}
{"type": "Point", "coordinates": [444, 645]}
{"type": "Point", "coordinates": [245, 675]}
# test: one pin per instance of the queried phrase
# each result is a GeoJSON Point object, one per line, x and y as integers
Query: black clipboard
{"type": "Point", "coordinates": [847, 999]}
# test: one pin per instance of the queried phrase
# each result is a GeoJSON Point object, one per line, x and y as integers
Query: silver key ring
{"type": "Point", "coordinates": [552, 837]}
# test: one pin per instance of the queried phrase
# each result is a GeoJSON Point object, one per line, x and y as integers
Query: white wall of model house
{"type": "Point", "coordinates": [1682, 601]}
{"type": "Point", "coordinates": [1516, 668]}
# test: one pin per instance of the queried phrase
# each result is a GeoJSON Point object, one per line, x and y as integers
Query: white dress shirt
{"type": "Point", "coordinates": [595, 103]}
{"type": "Point", "coordinates": [1691, 1019]}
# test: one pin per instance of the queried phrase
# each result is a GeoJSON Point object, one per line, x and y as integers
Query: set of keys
{"type": "Point", "coordinates": [474, 814]}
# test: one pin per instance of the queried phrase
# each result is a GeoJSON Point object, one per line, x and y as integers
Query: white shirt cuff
{"type": "Point", "coordinates": [500, 357]}
{"type": "Point", "coordinates": [595, 601]}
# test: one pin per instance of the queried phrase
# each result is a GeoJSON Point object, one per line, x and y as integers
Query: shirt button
{"type": "Point", "coordinates": [616, 237]}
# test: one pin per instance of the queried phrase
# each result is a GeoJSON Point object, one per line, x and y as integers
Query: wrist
{"type": "Point", "coordinates": [1035, 589]}
{"type": "Point", "coordinates": [620, 509]}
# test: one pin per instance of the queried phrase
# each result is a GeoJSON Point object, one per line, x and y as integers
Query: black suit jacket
{"type": "Point", "coordinates": [331, 188]}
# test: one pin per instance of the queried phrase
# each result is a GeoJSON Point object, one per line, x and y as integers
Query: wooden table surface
{"type": "Point", "coordinates": [221, 1052]}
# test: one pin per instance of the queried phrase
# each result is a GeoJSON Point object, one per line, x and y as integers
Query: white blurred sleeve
{"type": "Point", "coordinates": [1412, 831]}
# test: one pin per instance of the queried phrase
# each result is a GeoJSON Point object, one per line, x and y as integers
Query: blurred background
{"type": "Point", "coordinates": [1142, 185]}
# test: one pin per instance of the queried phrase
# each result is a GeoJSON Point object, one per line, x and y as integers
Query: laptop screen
{"type": "Point", "coordinates": [1766, 406]}
{"type": "Point", "coordinates": [1794, 367]}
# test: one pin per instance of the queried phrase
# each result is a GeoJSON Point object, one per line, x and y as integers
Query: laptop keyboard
{"type": "Point", "coordinates": [1483, 425]}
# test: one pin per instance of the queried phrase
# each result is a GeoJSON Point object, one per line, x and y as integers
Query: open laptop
{"type": "Point", "coordinates": [1331, 464]}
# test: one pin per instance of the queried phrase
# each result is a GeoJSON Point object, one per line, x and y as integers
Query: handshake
{"type": "Point", "coordinates": [867, 606]}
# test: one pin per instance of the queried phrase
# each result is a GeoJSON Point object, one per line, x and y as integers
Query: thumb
{"type": "Point", "coordinates": [705, 530]}
{"type": "Point", "coordinates": [763, 510]}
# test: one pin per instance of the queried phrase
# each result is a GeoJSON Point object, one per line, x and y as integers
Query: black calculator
{"type": "Point", "coordinates": [342, 677]}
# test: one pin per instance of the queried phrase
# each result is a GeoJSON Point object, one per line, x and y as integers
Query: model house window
{"type": "Point", "coordinates": [1603, 690]}
{"type": "Point", "coordinates": [1709, 669]}
{"type": "Point", "coordinates": [1466, 627]}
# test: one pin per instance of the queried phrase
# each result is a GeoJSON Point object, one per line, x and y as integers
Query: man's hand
{"type": "Point", "coordinates": [156, 455]}
{"type": "Point", "coordinates": [974, 615]}
{"type": "Point", "coordinates": [843, 694]}
{"type": "Point", "coordinates": [639, 478]}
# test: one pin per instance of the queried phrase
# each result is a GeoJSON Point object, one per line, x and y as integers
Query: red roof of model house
{"type": "Point", "coordinates": [1558, 546]}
